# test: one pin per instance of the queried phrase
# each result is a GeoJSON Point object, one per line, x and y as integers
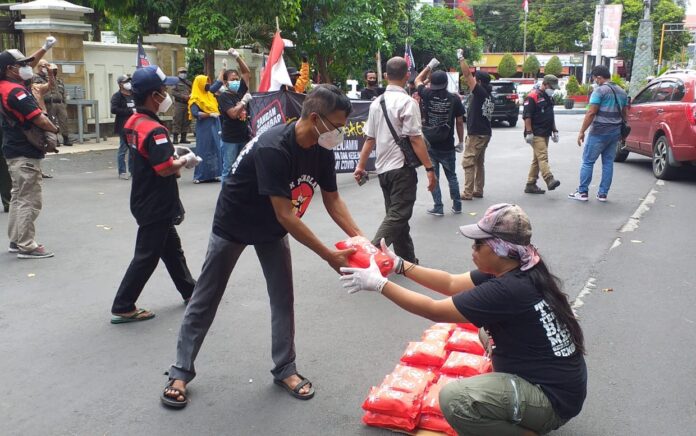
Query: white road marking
{"type": "Point", "coordinates": [586, 290]}
{"type": "Point", "coordinates": [634, 220]}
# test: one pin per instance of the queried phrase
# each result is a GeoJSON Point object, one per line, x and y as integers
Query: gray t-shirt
{"type": "Point", "coordinates": [608, 118]}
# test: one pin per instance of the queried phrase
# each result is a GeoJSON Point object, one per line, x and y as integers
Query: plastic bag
{"type": "Point", "coordinates": [468, 326]}
{"type": "Point", "coordinates": [466, 341]}
{"type": "Point", "coordinates": [414, 374]}
{"type": "Point", "coordinates": [404, 384]}
{"type": "Point", "coordinates": [435, 423]}
{"type": "Point", "coordinates": [365, 250]}
{"type": "Point", "coordinates": [435, 335]}
{"type": "Point", "coordinates": [425, 354]}
{"type": "Point", "coordinates": [387, 421]}
{"type": "Point", "coordinates": [431, 401]}
{"type": "Point", "coordinates": [448, 326]}
{"type": "Point", "coordinates": [387, 401]}
{"type": "Point", "coordinates": [465, 364]}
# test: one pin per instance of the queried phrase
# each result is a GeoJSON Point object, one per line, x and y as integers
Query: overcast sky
{"type": "Point", "coordinates": [691, 10]}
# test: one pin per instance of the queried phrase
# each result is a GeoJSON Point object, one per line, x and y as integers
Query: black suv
{"type": "Point", "coordinates": [507, 106]}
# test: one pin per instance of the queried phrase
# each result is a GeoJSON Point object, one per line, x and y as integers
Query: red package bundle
{"type": "Point", "coordinates": [413, 374]}
{"type": "Point", "coordinates": [435, 335]}
{"type": "Point", "coordinates": [387, 421]}
{"type": "Point", "coordinates": [468, 326]}
{"type": "Point", "coordinates": [448, 326]}
{"type": "Point", "coordinates": [365, 250]}
{"type": "Point", "coordinates": [465, 364]}
{"type": "Point", "coordinates": [436, 423]}
{"type": "Point", "coordinates": [425, 354]}
{"type": "Point", "coordinates": [387, 401]}
{"type": "Point", "coordinates": [431, 401]}
{"type": "Point", "coordinates": [405, 384]}
{"type": "Point", "coordinates": [467, 341]}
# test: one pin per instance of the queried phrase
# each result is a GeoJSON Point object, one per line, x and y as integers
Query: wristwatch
{"type": "Point", "coordinates": [429, 169]}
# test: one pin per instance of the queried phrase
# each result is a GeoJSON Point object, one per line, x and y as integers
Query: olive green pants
{"type": "Point", "coordinates": [497, 404]}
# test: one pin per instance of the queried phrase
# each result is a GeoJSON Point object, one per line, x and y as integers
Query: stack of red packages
{"type": "Point", "coordinates": [364, 251]}
{"type": "Point", "coordinates": [465, 341]}
{"type": "Point", "coordinates": [465, 364]}
{"type": "Point", "coordinates": [431, 417]}
{"type": "Point", "coordinates": [425, 354]}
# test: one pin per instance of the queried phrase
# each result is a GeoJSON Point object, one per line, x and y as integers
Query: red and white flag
{"type": "Point", "coordinates": [275, 74]}
{"type": "Point", "coordinates": [525, 6]}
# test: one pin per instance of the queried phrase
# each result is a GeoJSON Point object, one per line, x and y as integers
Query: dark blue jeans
{"type": "Point", "coordinates": [595, 146]}
{"type": "Point", "coordinates": [446, 159]}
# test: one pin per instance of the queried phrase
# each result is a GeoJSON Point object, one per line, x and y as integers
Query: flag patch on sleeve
{"type": "Point", "coordinates": [161, 139]}
{"type": "Point", "coordinates": [21, 95]}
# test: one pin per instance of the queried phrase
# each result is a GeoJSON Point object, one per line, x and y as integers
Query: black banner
{"type": "Point", "coordinates": [268, 109]}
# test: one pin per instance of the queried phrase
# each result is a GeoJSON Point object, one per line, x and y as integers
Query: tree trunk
{"type": "Point", "coordinates": [209, 63]}
{"type": "Point", "coordinates": [322, 66]}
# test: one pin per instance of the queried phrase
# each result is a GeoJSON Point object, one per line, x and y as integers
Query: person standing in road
{"type": "Point", "coordinates": [605, 114]}
{"type": "Point", "coordinates": [5, 181]}
{"type": "Point", "coordinates": [372, 90]}
{"type": "Point", "coordinates": [123, 106]}
{"type": "Point", "coordinates": [398, 182]}
{"type": "Point", "coordinates": [181, 92]}
{"type": "Point", "coordinates": [478, 125]}
{"type": "Point", "coordinates": [203, 105]}
{"type": "Point", "coordinates": [539, 125]}
{"type": "Point", "coordinates": [56, 104]}
{"type": "Point", "coordinates": [442, 112]}
{"type": "Point", "coordinates": [154, 199]}
{"type": "Point", "coordinates": [264, 198]}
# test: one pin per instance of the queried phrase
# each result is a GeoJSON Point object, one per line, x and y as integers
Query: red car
{"type": "Point", "coordinates": [663, 124]}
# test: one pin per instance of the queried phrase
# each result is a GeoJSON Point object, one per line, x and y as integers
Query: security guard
{"type": "Point", "coordinates": [181, 93]}
{"type": "Point", "coordinates": [55, 104]}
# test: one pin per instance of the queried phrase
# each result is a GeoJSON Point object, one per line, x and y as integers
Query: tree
{"type": "Point", "coordinates": [553, 66]}
{"type": "Point", "coordinates": [572, 87]}
{"type": "Point", "coordinates": [499, 23]}
{"type": "Point", "coordinates": [560, 25]}
{"type": "Point", "coordinates": [531, 66]}
{"type": "Point", "coordinates": [507, 66]}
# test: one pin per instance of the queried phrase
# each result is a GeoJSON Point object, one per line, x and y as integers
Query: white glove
{"type": "Point", "coordinates": [214, 115]}
{"type": "Point", "coordinates": [233, 52]}
{"type": "Point", "coordinates": [433, 64]}
{"type": "Point", "coordinates": [398, 263]}
{"type": "Point", "coordinates": [180, 151]}
{"type": "Point", "coordinates": [368, 279]}
{"type": "Point", "coordinates": [224, 64]}
{"type": "Point", "coordinates": [460, 54]}
{"type": "Point", "coordinates": [459, 147]}
{"type": "Point", "coordinates": [529, 138]}
{"type": "Point", "coordinates": [247, 98]}
{"type": "Point", "coordinates": [192, 160]}
{"type": "Point", "coordinates": [554, 136]}
{"type": "Point", "coordinates": [50, 42]}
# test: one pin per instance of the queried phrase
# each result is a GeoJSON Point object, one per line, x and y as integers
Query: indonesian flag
{"type": "Point", "coordinates": [410, 62]}
{"type": "Point", "coordinates": [142, 61]}
{"type": "Point", "coordinates": [525, 6]}
{"type": "Point", "coordinates": [275, 74]}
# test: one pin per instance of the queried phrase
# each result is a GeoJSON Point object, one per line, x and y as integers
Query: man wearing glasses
{"type": "Point", "coordinates": [268, 190]}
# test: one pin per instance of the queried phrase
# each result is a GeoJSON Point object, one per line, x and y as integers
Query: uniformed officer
{"type": "Point", "coordinates": [181, 93]}
{"type": "Point", "coordinates": [56, 103]}
{"type": "Point", "coordinates": [539, 125]}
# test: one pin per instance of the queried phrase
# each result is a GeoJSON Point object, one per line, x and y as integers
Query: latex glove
{"type": "Point", "coordinates": [529, 138]}
{"type": "Point", "coordinates": [554, 136]}
{"type": "Point", "coordinates": [433, 64]}
{"type": "Point", "coordinates": [180, 151]}
{"type": "Point", "coordinates": [460, 54]}
{"type": "Point", "coordinates": [233, 52]}
{"type": "Point", "coordinates": [192, 160]}
{"type": "Point", "coordinates": [50, 42]}
{"type": "Point", "coordinates": [247, 98]}
{"type": "Point", "coordinates": [214, 115]}
{"type": "Point", "coordinates": [398, 262]}
{"type": "Point", "coordinates": [359, 279]}
{"type": "Point", "coordinates": [459, 147]}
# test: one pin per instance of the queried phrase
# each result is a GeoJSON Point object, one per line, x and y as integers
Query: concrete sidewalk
{"type": "Point", "coordinates": [111, 143]}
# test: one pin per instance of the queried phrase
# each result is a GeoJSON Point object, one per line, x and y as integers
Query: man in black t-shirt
{"type": "Point", "coordinates": [271, 185]}
{"type": "Point", "coordinates": [123, 106]}
{"type": "Point", "coordinates": [371, 89]}
{"type": "Point", "coordinates": [442, 111]}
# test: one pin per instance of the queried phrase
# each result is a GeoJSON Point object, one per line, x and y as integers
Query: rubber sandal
{"type": "Point", "coordinates": [296, 392]}
{"type": "Point", "coordinates": [172, 402]}
{"type": "Point", "coordinates": [135, 317]}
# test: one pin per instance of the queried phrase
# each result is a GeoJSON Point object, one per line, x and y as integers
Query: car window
{"type": "Point", "coordinates": [679, 92]}
{"type": "Point", "coordinates": [503, 88]}
{"type": "Point", "coordinates": [664, 92]}
{"type": "Point", "coordinates": [647, 94]}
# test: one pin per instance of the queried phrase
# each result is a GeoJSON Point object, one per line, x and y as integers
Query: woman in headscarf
{"type": "Point", "coordinates": [536, 344]}
{"type": "Point", "coordinates": [204, 107]}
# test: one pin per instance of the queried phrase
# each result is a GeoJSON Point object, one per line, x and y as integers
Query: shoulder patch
{"type": "Point", "coordinates": [160, 138]}
{"type": "Point", "coordinates": [21, 95]}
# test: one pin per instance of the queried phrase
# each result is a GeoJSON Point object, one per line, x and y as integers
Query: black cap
{"type": "Point", "coordinates": [438, 80]}
{"type": "Point", "coordinates": [484, 78]}
{"type": "Point", "coordinates": [123, 78]}
{"type": "Point", "coordinates": [11, 57]}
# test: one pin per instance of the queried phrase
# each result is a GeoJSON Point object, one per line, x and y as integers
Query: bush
{"type": "Point", "coordinates": [558, 98]}
{"type": "Point", "coordinates": [619, 81]}
{"type": "Point", "coordinates": [507, 66]}
{"type": "Point", "coordinates": [553, 66]}
{"type": "Point", "coordinates": [531, 66]}
{"type": "Point", "coordinates": [585, 89]}
{"type": "Point", "coordinates": [573, 87]}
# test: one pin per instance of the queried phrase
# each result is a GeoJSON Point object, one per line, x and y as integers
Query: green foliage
{"type": "Point", "coordinates": [555, 25]}
{"type": "Point", "coordinates": [507, 66]}
{"type": "Point", "coordinates": [572, 87]}
{"type": "Point", "coordinates": [194, 62]}
{"type": "Point", "coordinates": [531, 66]}
{"type": "Point", "coordinates": [585, 89]}
{"type": "Point", "coordinates": [618, 80]}
{"type": "Point", "coordinates": [499, 23]}
{"type": "Point", "coordinates": [126, 28]}
{"type": "Point", "coordinates": [553, 66]}
{"type": "Point", "coordinates": [558, 99]}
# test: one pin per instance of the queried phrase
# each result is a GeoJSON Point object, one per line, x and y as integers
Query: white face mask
{"type": "Point", "coordinates": [331, 139]}
{"type": "Point", "coordinates": [165, 104]}
{"type": "Point", "coordinates": [26, 72]}
{"type": "Point", "coordinates": [127, 86]}
{"type": "Point", "coordinates": [182, 76]}
{"type": "Point", "coordinates": [549, 92]}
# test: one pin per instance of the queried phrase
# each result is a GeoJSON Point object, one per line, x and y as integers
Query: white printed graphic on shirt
{"type": "Point", "coordinates": [487, 108]}
{"type": "Point", "coordinates": [556, 332]}
{"type": "Point", "coordinates": [247, 148]}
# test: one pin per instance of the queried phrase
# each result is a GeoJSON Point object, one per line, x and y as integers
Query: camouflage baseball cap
{"type": "Point", "coordinates": [504, 221]}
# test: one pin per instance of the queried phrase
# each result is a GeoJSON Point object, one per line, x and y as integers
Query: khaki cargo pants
{"type": "Point", "coordinates": [25, 204]}
{"type": "Point", "coordinates": [540, 161]}
{"type": "Point", "coordinates": [473, 164]}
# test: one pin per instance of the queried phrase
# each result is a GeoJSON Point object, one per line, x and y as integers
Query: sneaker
{"type": "Point", "coordinates": [466, 197]}
{"type": "Point", "coordinates": [533, 189]}
{"type": "Point", "coordinates": [553, 184]}
{"type": "Point", "coordinates": [580, 196]}
{"type": "Point", "coordinates": [124, 176]}
{"type": "Point", "coordinates": [435, 212]}
{"type": "Point", "coordinates": [39, 252]}
{"type": "Point", "coordinates": [456, 211]}
{"type": "Point", "coordinates": [477, 195]}
{"type": "Point", "coordinates": [13, 248]}
{"type": "Point", "coordinates": [602, 197]}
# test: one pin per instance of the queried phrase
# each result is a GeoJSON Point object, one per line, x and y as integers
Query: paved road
{"type": "Point", "coordinates": [67, 371]}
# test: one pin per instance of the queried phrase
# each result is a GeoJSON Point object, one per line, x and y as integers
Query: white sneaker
{"type": "Point", "coordinates": [580, 196]}
{"type": "Point", "coordinates": [124, 176]}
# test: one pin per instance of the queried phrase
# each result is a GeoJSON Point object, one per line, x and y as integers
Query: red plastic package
{"type": "Point", "coordinates": [387, 401]}
{"type": "Point", "coordinates": [387, 421]}
{"type": "Point", "coordinates": [465, 364]}
{"type": "Point", "coordinates": [468, 326]}
{"type": "Point", "coordinates": [435, 335]}
{"type": "Point", "coordinates": [414, 374]}
{"type": "Point", "coordinates": [402, 384]}
{"type": "Point", "coordinates": [431, 401]}
{"type": "Point", "coordinates": [425, 354]}
{"type": "Point", "coordinates": [435, 423]}
{"type": "Point", "coordinates": [365, 250]}
{"type": "Point", "coordinates": [449, 326]}
{"type": "Point", "coordinates": [466, 341]}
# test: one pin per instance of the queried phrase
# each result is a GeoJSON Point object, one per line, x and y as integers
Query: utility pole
{"type": "Point", "coordinates": [524, 42]}
{"type": "Point", "coordinates": [601, 32]}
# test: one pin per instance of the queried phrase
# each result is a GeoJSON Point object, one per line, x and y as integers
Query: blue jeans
{"type": "Point", "coordinates": [448, 161]}
{"type": "Point", "coordinates": [595, 146]}
{"type": "Point", "coordinates": [229, 152]}
{"type": "Point", "coordinates": [121, 156]}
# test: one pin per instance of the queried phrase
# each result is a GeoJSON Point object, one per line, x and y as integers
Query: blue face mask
{"type": "Point", "coordinates": [233, 85]}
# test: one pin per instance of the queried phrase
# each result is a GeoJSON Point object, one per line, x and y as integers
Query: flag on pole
{"type": "Point", "coordinates": [275, 74]}
{"type": "Point", "coordinates": [142, 61]}
{"type": "Point", "coordinates": [525, 6]}
{"type": "Point", "coordinates": [408, 55]}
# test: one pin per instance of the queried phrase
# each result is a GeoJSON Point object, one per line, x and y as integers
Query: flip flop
{"type": "Point", "coordinates": [296, 392]}
{"type": "Point", "coordinates": [172, 402]}
{"type": "Point", "coordinates": [135, 317]}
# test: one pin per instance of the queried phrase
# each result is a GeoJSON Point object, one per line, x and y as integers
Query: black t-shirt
{"type": "Point", "coordinates": [371, 93]}
{"type": "Point", "coordinates": [122, 106]}
{"type": "Point", "coordinates": [529, 340]}
{"type": "Point", "coordinates": [22, 109]}
{"type": "Point", "coordinates": [436, 106]}
{"type": "Point", "coordinates": [153, 197]}
{"type": "Point", "coordinates": [233, 130]}
{"type": "Point", "coordinates": [539, 107]}
{"type": "Point", "coordinates": [480, 112]}
{"type": "Point", "coordinates": [272, 164]}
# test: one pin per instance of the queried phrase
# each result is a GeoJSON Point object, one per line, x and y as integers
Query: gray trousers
{"type": "Point", "coordinates": [219, 262]}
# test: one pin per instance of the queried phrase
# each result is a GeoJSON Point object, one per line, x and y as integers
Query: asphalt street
{"type": "Point", "coordinates": [67, 371]}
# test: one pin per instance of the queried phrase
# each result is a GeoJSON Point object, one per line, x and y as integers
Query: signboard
{"type": "Point", "coordinates": [109, 37]}
{"type": "Point", "coordinates": [612, 26]}
{"type": "Point", "coordinates": [268, 109]}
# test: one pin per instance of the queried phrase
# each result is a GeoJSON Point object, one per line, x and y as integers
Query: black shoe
{"type": "Point", "coordinates": [533, 189]}
{"type": "Point", "coordinates": [553, 184]}
{"type": "Point", "coordinates": [175, 139]}
{"type": "Point", "coordinates": [184, 140]}
{"type": "Point", "coordinates": [66, 141]}
{"type": "Point", "coordinates": [6, 208]}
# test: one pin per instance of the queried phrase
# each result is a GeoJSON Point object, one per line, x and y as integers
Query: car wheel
{"type": "Point", "coordinates": [621, 153]}
{"type": "Point", "coordinates": [660, 161]}
{"type": "Point", "coordinates": [512, 122]}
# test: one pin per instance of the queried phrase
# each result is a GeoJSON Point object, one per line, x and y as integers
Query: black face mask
{"type": "Point", "coordinates": [371, 82]}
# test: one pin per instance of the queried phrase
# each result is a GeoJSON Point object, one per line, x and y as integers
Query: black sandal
{"type": "Point", "coordinates": [296, 391]}
{"type": "Point", "coordinates": [173, 402]}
